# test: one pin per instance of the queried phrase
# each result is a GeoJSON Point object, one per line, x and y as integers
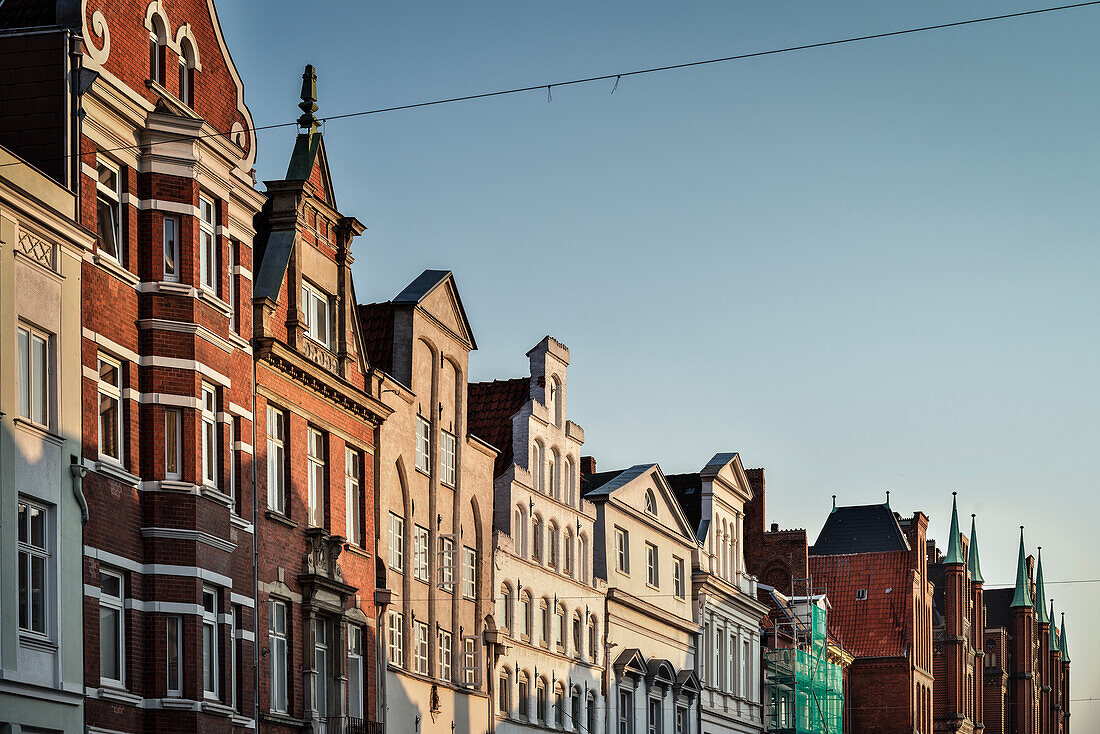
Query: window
{"type": "Point", "coordinates": [679, 585]}
{"type": "Point", "coordinates": [236, 653]}
{"type": "Point", "coordinates": [571, 481]}
{"type": "Point", "coordinates": [276, 459]}
{"type": "Point", "coordinates": [575, 709]}
{"type": "Point", "coordinates": [544, 623]}
{"type": "Point", "coordinates": [552, 530]}
{"type": "Point", "coordinates": [110, 413]}
{"type": "Point", "coordinates": [626, 711]}
{"type": "Point", "coordinates": [717, 653]}
{"type": "Point", "coordinates": [593, 647]}
{"type": "Point", "coordinates": [277, 642]}
{"type": "Point", "coordinates": [731, 662]}
{"type": "Point", "coordinates": [519, 533]}
{"type": "Point", "coordinates": [746, 669]}
{"type": "Point", "coordinates": [397, 543]}
{"type": "Point", "coordinates": [445, 653]}
{"type": "Point", "coordinates": [231, 468]}
{"type": "Point", "coordinates": [540, 701]}
{"type": "Point", "coordinates": [622, 550]}
{"type": "Point", "coordinates": [420, 647]}
{"type": "Point", "coordinates": [567, 555]}
{"type": "Point", "coordinates": [156, 58]}
{"type": "Point", "coordinates": [352, 496]}
{"type": "Point", "coordinates": [861, 594]}
{"type": "Point", "coordinates": [525, 614]}
{"type": "Point", "coordinates": [112, 628]}
{"type": "Point", "coordinates": [446, 562]}
{"type": "Point", "coordinates": [320, 665]}
{"type": "Point", "coordinates": [33, 557]}
{"type": "Point", "coordinates": [173, 445]}
{"type": "Point", "coordinates": [109, 211]}
{"type": "Point", "coordinates": [470, 669]}
{"type": "Point", "coordinates": [208, 247]}
{"type": "Point", "coordinates": [34, 375]}
{"type": "Point", "coordinates": [524, 694]}
{"type": "Point", "coordinates": [559, 706]}
{"type": "Point", "coordinates": [650, 503]}
{"type": "Point", "coordinates": [315, 456]}
{"type": "Point", "coordinates": [423, 445]}
{"type": "Point", "coordinates": [504, 608]}
{"type": "Point", "coordinates": [171, 248]}
{"type": "Point", "coordinates": [175, 657]}
{"type": "Point", "coordinates": [356, 672]}
{"type": "Point", "coordinates": [559, 629]}
{"type": "Point", "coordinates": [420, 554]}
{"type": "Point", "coordinates": [231, 278]}
{"type": "Point", "coordinates": [209, 436]}
{"type": "Point", "coordinates": [469, 573]}
{"type": "Point", "coordinates": [504, 693]}
{"type": "Point", "coordinates": [447, 446]}
{"type": "Point", "coordinates": [536, 540]}
{"type": "Point", "coordinates": [578, 635]}
{"type": "Point", "coordinates": [584, 560]}
{"type": "Point", "coordinates": [681, 720]}
{"type": "Point", "coordinates": [591, 713]}
{"type": "Point", "coordinates": [187, 74]}
{"type": "Point", "coordinates": [656, 714]}
{"type": "Point", "coordinates": [395, 639]}
{"type": "Point", "coordinates": [210, 643]}
{"type": "Point", "coordinates": [315, 314]}
{"type": "Point", "coordinates": [552, 467]}
{"type": "Point", "coordinates": [536, 467]}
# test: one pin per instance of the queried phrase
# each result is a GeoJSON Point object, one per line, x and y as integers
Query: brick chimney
{"type": "Point", "coordinates": [588, 465]}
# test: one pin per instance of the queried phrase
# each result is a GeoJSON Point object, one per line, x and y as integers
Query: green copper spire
{"type": "Point", "coordinates": [973, 564]}
{"type": "Point", "coordinates": [954, 546]}
{"type": "Point", "coordinates": [1040, 593]}
{"type": "Point", "coordinates": [1062, 638]}
{"type": "Point", "coordinates": [1053, 646]}
{"type": "Point", "coordinates": [1022, 597]}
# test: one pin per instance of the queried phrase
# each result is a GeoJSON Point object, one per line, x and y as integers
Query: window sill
{"type": "Point", "coordinates": [114, 470]}
{"type": "Point", "coordinates": [115, 268]}
{"type": "Point", "coordinates": [239, 522]}
{"type": "Point", "coordinates": [37, 641]}
{"type": "Point", "coordinates": [209, 298]}
{"type": "Point", "coordinates": [218, 708]}
{"type": "Point", "coordinates": [425, 472]}
{"type": "Point", "coordinates": [174, 287]}
{"type": "Point", "coordinates": [175, 701]}
{"type": "Point", "coordinates": [216, 495]}
{"type": "Point", "coordinates": [39, 430]}
{"type": "Point", "coordinates": [354, 548]}
{"type": "Point", "coordinates": [276, 516]}
{"type": "Point", "coordinates": [118, 695]}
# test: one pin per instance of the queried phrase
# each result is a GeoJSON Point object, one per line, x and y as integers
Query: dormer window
{"type": "Point", "coordinates": [315, 314]}
{"type": "Point", "coordinates": [861, 594]}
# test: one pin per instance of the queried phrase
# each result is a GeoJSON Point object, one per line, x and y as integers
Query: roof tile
{"type": "Point", "coordinates": [490, 407]}
{"type": "Point", "coordinates": [875, 626]}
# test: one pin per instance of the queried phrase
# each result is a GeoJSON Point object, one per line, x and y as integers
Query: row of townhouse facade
{"type": "Point", "coordinates": [236, 498]}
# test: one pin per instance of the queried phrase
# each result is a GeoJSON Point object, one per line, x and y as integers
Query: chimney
{"type": "Point", "coordinates": [775, 527]}
{"type": "Point", "coordinates": [588, 465]}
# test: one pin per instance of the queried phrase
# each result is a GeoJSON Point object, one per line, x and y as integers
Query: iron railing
{"type": "Point", "coordinates": [351, 725]}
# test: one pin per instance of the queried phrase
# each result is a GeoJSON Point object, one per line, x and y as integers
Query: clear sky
{"type": "Point", "coordinates": [869, 267]}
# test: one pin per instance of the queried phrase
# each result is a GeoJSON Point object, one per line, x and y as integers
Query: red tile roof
{"type": "Point", "coordinates": [875, 626]}
{"type": "Point", "coordinates": [490, 407]}
{"type": "Point", "coordinates": [376, 328]}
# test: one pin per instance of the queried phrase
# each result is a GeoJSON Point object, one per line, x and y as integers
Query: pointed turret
{"type": "Point", "coordinates": [1054, 646]}
{"type": "Point", "coordinates": [1062, 640]}
{"type": "Point", "coordinates": [973, 564]}
{"type": "Point", "coordinates": [954, 544]}
{"type": "Point", "coordinates": [1022, 597]}
{"type": "Point", "coordinates": [1040, 593]}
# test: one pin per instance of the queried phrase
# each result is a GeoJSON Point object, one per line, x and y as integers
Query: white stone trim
{"type": "Point", "coordinates": [160, 205]}
{"type": "Point", "coordinates": [157, 569]}
{"type": "Point", "coordinates": [242, 271]}
{"type": "Point", "coordinates": [244, 601]}
{"type": "Point", "coordinates": [196, 536]}
{"type": "Point", "coordinates": [110, 346]}
{"type": "Point", "coordinates": [240, 411]}
{"type": "Point", "coordinates": [243, 447]}
{"type": "Point", "coordinates": [187, 364]}
{"type": "Point", "coordinates": [164, 607]}
{"type": "Point", "coordinates": [184, 327]}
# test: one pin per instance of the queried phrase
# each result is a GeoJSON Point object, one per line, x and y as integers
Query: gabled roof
{"type": "Point", "coordinates": [875, 626]}
{"type": "Point", "coordinates": [687, 684]}
{"type": "Point", "coordinates": [604, 483]}
{"type": "Point", "coordinates": [630, 661]}
{"type": "Point", "coordinates": [490, 408]}
{"type": "Point", "coordinates": [309, 162]}
{"type": "Point", "coordinates": [427, 283]}
{"type": "Point", "coordinates": [688, 488]}
{"type": "Point", "coordinates": [599, 487]}
{"type": "Point", "coordinates": [860, 529]}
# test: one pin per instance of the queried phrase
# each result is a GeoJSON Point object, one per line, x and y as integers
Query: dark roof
{"type": "Point", "coordinates": [875, 626]}
{"type": "Point", "coordinates": [593, 482]}
{"type": "Point", "coordinates": [37, 13]}
{"type": "Point", "coordinates": [998, 608]}
{"type": "Point", "coordinates": [860, 529]}
{"type": "Point", "coordinates": [936, 574]}
{"type": "Point", "coordinates": [490, 407]}
{"type": "Point", "coordinates": [376, 328]}
{"type": "Point", "coordinates": [425, 283]}
{"type": "Point", "coordinates": [688, 489]}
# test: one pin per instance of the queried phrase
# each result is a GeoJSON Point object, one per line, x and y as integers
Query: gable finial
{"type": "Point", "coordinates": [308, 105]}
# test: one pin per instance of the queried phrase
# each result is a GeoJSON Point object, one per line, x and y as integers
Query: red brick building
{"type": "Point", "coordinates": [148, 96]}
{"type": "Point", "coordinates": [316, 398]}
{"type": "Point", "coordinates": [871, 563]}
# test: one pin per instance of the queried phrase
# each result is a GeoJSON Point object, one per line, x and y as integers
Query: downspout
{"type": "Point", "coordinates": [255, 560]}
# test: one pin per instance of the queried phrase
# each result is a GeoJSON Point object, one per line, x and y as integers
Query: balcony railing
{"type": "Point", "coordinates": [351, 725]}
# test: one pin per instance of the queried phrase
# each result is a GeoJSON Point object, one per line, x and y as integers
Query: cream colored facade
{"type": "Point", "coordinates": [548, 603]}
{"type": "Point", "coordinates": [430, 521]}
{"type": "Point", "coordinates": [644, 547]}
{"type": "Point", "coordinates": [41, 504]}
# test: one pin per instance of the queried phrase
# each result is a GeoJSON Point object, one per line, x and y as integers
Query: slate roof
{"type": "Point", "coordinates": [998, 611]}
{"type": "Point", "coordinates": [376, 328]}
{"type": "Point", "coordinates": [860, 529]}
{"type": "Point", "coordinates": [688, 489]}
{"type": "Point", "coordinates": [875, 626]}
{"type": "Point", "coordinates": [490, 407]}
{"type": "Point", "coordinates": [603, 484]}
{"type": "Point", "coordinates": [36, 13]}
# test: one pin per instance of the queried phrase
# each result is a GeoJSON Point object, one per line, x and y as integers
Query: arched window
{"type": "Point", "coordinates": [519, 532]}
{"type": "Point", "coordinates": [584, 559]}
{"type": "Point", "coordinates": [554, 465]}
{"type": "Point", "coordinates": [187, 73]}
{"type": "Point", "coordinates": [523, 694]}
{"type": "Point", "coordinates": [591, 712]}
{"type": "Point", "coordinates": [552, 531]}
{"type": "Point", "coordinates": [571, 481]}
{"type": "Point", "coordinates": [575, 708]}
{"type": "Point", "coordinates": [559, 706]}
{"type": "Point", "coordinates": [158, 50]}
{"type": "Point", "coordinates": [650, 503]}
{"type": "Point", "coordinates": [544, 623]}
{"type": "Point", "coordinates": [578, 635]}
{"type": "Point", "coordinates": [504, 607]}
{"type": "Point", "coordinates": [525, 614]}
{"type": "Point", "coordinates": [557, 405]}
{"type": "Point", "coordinates": [536, 539]}
{"type": "Point", "coordinates": [536, 467]}
{"type": "Point", "coordinates": [593, 640]}
{"type": "Point", "coordinates": [540, 701]}
{"type": "Point", "coordinates": [567, 555]}
{"type": "Point", "coordinates": [559, 629]}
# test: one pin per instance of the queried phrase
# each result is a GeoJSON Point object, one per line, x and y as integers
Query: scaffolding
{"type": "Point", "coordinates": [805, 692]}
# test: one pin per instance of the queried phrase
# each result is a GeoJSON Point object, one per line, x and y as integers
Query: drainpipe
{"type": "Point", "coordinates": [255, 560]}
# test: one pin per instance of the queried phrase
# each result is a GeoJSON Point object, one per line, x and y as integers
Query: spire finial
{"type": "Point", "coordinates": [887, 498]}
{"type": "Point", "coordinates": [1053, 645]}
{"type": "Point", "coordinates": [954, 547]}
{"type": "Point", "coordinates": [973, 563]}
{"type": "Point", "coordinates": [1022, 596]}
{"type": "Point", "coordinates": [1040, 592]}
{"type": "Point", "coordinates": [834, 503]}
{"type": "Point", "coordinates": [308, 105]}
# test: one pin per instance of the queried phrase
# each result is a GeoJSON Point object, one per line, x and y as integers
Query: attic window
{"type": "Point", "coordinates": [315, 310]}
{"type": "Point", "coordinates": [861, 594]}
{"type": "Point", "coordinates": [650, 503]}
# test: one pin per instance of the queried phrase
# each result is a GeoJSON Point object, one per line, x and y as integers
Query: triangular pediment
{"type": "Point", "coordinates": [435, 293]}
{"type": "Point", "coordinates": [726, 472]}
{"type": "Point", "coordinates": [644, 487]}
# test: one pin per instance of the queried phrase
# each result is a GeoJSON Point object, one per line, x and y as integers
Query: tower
{"type": "Point", "coordinates": [955, 603]}
{"type": "Point", "coordinates": [1023, 620]}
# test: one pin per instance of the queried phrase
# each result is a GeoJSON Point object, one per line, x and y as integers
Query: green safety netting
{"type": "Point", "coordinates": [805, 691]}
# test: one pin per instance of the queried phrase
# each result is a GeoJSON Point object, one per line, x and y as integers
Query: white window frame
{"type": "Point", "coordinates": [186, 74]}
{"type": "Point", "coordinates": [173, 443]}
{"type": "Point", "coordinates": [446, 562]}
{"type": "Point", "coordinates": [155, 52]}
{"type": "Point", "coordinates": [420, 648]}
{"type": "Point", "coordinates": [622, 550]}
{"type": "Point", "coordinates": [656, 722]}
{"type": "Point", "coordinates": [504, 607]}
{"type": "Point", "coordinates": [469, 573]}
{"type": "Point", "coordinates": [208, 246]}
{"type": "Point", "coordinates": [446, 654]}
{"type": "Point", "coordinates": [561, 621]}
{"type": "Point", "coordinates": [652, 566]}
{"type": "Point", "coordinates": [356, 671]}
{"type": "Point", "coordinates": [353, 487]}
{"type": "Point", "coordinates": [395, 639]}
{"type": "Point", "coordinates": [34, 380]}
{"type": "Point", "coordinates": [209, 435]}
{"type": "Point", "coordinates": [276, 459]}
{"type": "Point", "coordinates": [231, 279]}
{"type": "Point", "coordinates": [679, 585]}
{"type": "Point", "coordinates": [170, 232]}
{"type": "Point", "coordinates": [317, 329]}
{"type": "Point", "coordinates": [212, 652]}
{"type": "Point", "coordinates": [112, 199]}
{"type": "Point", "coordinates": [525, 604]}
{"type": "Point", "coordinates": [448, 470]}
{"type": "Point", "coordinates": [397, 543]}
{"type": "Point", "coordinates": [315, 475]}
{"type": "Point", "coordinates": [471, 669]}
{"type": "Point", "coordinates": [278, 643]}
{"type": "Point", "coordinates": [109, 391]}
{"type": "Point", "coordinates": [321, 676]}
{"type": "Point", "coordinates": [420, 554]}
{"type": "Point", "coordinates": [174, 662]}
{"type": "Point", "coordinates": [423, 445]}
{"type": "Point", "coordinates": [731, 662]}
{"type": "Point", "coordinates": [116, 604]}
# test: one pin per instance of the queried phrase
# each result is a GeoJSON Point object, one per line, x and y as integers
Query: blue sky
{"type": "Point", "coordinates": [869, 267]}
